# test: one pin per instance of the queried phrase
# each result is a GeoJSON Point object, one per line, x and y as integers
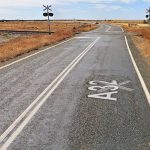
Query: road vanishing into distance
{"type": "Point", "coordinates": [86, 93]}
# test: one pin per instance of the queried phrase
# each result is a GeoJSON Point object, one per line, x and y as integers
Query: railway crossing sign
{"type": "Point", "coordinates": [47, 7]}
{"type": "Point", "coordinates": [148, 11]}
{"type": "Point", "coordinates": [48, 14]}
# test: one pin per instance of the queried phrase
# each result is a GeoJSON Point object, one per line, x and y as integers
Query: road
{"type": "Point", "coordinates": [85, 93]}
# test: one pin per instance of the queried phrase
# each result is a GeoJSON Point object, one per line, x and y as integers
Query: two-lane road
{"type": "Point", "coordinates": [83, 94]}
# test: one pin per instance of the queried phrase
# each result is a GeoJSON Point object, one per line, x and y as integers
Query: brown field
{"type": "Point", "coordinates": [125, 21]}
{"type": "Point", "coordinates": [141, 37]}
{"type": "Point", "coordinates": [36, 26]}
{"type": "Point", "coordinates": [25, 43]}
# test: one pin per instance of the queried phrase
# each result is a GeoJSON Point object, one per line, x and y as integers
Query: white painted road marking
{"type": "Point", "coordinates": [121, 28]}
{"type": "Point", "coordinates": [107, 86]}
{"type": "Point", "coordinates": [145, 89]}
{"type": "Point", "coordinates": [23, 120]}
{"type": "Point", "coordinates": [104, 95]}
{"type": "Point", "coordinates": [120, 85]}
{"type": "Point", "coordinates": [108, 30]}
{"type": "Point", "coordinates": [85, 37]}
{"type": "Point", "coordinates": [34, 54]}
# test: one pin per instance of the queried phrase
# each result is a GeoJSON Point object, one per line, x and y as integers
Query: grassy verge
{"type": "Point", "coordinates": [21, 45]}
{"type": "Point", "coordinates": [141, 37]}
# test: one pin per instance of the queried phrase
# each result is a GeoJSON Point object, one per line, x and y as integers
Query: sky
{"type": "Point", "coordinates": [75, 9]}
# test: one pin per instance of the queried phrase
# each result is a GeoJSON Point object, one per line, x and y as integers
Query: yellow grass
{"type": "Point", "coordinates": [21, 45]}
{"type": "Point", "coordinates": [36, 26]}
{"type": "Point", "coordinates": [141, 37]}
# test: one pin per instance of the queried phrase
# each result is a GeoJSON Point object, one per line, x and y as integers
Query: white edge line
{"type": "Point", "coordinates": [122, 29]}
{"type": "Point", "coordinates": [10, 64]}
{"type": "Point", "coordinates": [138, 73]}
{"type": "Point", "coordinates": [29, 117]}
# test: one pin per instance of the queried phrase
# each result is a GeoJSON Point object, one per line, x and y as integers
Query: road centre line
{"type": "Point", "coordinates": [23, 120]}
{"type": "Point", "coordinates": [10, 64]}
{"type": "Point", "coordinates": [145, 89]}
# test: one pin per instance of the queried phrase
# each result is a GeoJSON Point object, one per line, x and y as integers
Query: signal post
{"type": "Point", "coordinates": [148, 16]}
{"type": "Point", "coordinates": [48, 14]}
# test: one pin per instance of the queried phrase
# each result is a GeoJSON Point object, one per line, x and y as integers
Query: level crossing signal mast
{"type": "Point", "coordinates": [148, 16]}
{"type": "Point", "coordinates": [48, 14]}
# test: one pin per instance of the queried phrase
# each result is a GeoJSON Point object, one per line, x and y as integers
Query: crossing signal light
{"type": "Point", "coordinates": [147, 16]}
{"type": "Point", "coordinates": [51, 14]}
{"type": "Point", "coordinates": [48, 14]}
{"type": "Point", "coordinates": [44, 14]}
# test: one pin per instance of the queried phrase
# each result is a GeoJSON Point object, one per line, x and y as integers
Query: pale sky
{"type": "Point", "coordinates": [75, 9]}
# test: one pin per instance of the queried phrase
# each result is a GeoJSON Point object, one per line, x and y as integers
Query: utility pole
{"type": "Point", "coordinates": [48, 14]}
{"type": "Point", "coordinates": [148, 16]}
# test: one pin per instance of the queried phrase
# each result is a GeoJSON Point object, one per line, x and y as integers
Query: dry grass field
{"type": "Point", "coordinates": [25, 43]}
{"type": "Point", "coordinates": [36, 26]}
{"type": "Point", "coordinates": [141, 37]}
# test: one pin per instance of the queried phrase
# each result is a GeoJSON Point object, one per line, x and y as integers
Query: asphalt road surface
{"type": "Point", "coordinates": [83, 94]}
